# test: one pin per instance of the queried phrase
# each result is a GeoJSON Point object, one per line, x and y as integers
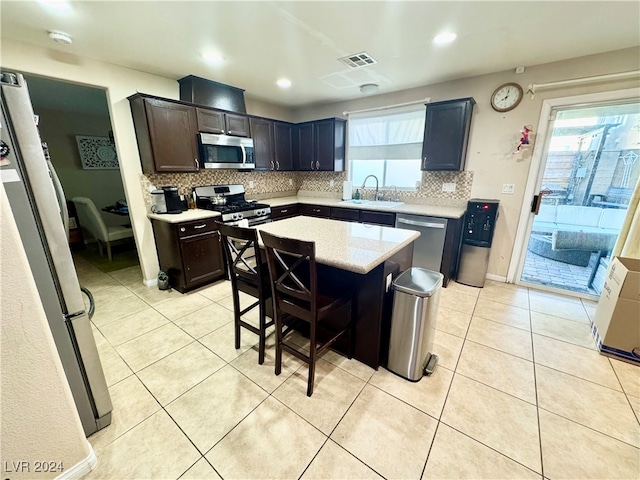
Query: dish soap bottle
{"type": "Point", "coordinates": [356, 196]}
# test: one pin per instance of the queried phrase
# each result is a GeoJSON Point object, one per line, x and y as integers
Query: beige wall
{"type": "Point", "coordinates": [39, 417]}
{"type": "Point", "coordinates": [493, 135]}
{"type": "Point", "coordinates": [59, 130]}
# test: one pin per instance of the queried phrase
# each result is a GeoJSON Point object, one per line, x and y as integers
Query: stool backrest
{"type": "Point", "coordinates": [243, 256]}
{"type": "Point", "coordinates": [293, 274]}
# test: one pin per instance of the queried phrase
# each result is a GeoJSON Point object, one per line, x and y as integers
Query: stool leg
{"type": "Point", "coordinates": [312, 359]}
{"type": "Point", "coordinates": [263, 333]}
{"type": "Point", "coordinates": [236, 317]}
{"type": "Point", "coordinates": [278, 342]}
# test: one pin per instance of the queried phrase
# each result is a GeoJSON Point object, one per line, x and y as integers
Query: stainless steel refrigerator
{"type": "Point", "coordinates": [39, 207]}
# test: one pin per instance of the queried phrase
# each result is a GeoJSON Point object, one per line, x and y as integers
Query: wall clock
{"type": "Point", "coordinates": [506, 97]}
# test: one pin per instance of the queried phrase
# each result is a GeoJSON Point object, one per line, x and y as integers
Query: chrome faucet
{"type": "Point", "coordinates": [377, 195]}
{"type": "Point", "coordinates": [395, 198]}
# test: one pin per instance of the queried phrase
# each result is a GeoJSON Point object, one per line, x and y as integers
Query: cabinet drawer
{"type": "Point", "coordinates": [285, 211]}
{"type": "Point", "coordinates": [378, 218]}
{"type": "Point", "coordinates": [187, 229]}
{"type": "Point", "coordinates": [315, 211]}
{"type": "Point", "coordinates": [349, 214]}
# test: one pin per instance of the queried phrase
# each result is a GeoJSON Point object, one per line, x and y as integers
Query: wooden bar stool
{"type": "Point", "coordinates": [249, 275]}
{"type": "Point", "coordinates": [294, 286]}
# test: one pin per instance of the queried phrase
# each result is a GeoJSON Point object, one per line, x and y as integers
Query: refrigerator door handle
{"type": "Point", "coordinates": [62, 202]}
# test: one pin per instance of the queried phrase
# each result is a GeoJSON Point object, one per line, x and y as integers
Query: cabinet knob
{"type": "Point", "coordinates": [284, 211]}
{"type": "Point", "coordinates": [195, 160]}
{"type": "Point", "coordinates": [317, 165]}
{"type": "Point", "coordinates": [277, 165]}
{"type": "Point", "coordinates": [182, 229]}
{"type": "Point", "coordinates": [311, 164]}
{"type": "Point", "coordinates": [273, 167]}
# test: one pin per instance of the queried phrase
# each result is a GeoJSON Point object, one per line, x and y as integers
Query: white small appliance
{"type": "Point", "coordinates": [347, 189]}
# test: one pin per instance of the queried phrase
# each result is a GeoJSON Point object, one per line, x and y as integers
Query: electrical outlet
{"type": "Point", "coordinates": [448, 187]}
{"type": "Point", "coordinates": [508, 188]}
{"type": "Point", "coordinates": [250, 184]}
{"type": "Point", "coordinates": [290, 182]}
{"type": "Point", "coordinates": [331, 183]}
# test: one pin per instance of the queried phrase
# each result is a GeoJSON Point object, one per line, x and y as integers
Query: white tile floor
{"type": "Point", "coordinates": [520, 392]}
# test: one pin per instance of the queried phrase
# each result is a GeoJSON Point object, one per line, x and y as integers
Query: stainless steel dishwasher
{"type": "Point", "coordinates": [427, 249]}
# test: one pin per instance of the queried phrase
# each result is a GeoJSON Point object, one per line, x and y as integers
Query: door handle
{"type": "Point", "coordinates": [277, 165]}
{"type": "Point", "coordinates": [200, 226]}
{"type": "Point", "coordinates": [273, 167]}
{"type": "Point", "coordinates": [317, 165]}
{"type": "Point", "coordinates": [311, 164]}
{"type": "Point", "coordinates": [537, 200]}
{"type": "Point", "coordinates": [421, 224]}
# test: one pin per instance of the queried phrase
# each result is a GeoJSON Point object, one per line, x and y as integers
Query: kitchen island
{"type": "Point", "coordinates": [362, 258]}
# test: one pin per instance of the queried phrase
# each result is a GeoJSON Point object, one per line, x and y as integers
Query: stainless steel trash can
{"type": "Point", "coordinates": [413, 322]}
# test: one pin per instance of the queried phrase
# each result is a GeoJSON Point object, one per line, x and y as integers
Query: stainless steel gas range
{"type": "Point", "coordinates": [230, 201]}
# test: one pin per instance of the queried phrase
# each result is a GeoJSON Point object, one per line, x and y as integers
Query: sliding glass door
{"type": "Point", "coordinates": [588, 173]}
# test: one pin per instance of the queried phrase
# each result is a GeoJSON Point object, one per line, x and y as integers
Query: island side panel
{"type": "Point", "coordinates": [372, 304]}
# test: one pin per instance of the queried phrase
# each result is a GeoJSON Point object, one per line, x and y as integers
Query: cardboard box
{"type": "Point", "coordinates": [617, 321]}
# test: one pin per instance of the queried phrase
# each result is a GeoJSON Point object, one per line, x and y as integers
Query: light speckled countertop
{"type": "Point", "coordinates": [354, 247]}
{"type": "Point", "coordinates": [188, 216]}
{"type": "Point", "coordinates": [409, 208]}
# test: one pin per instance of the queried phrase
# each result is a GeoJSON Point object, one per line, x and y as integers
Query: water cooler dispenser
{"type": "Point", "coordinates": [479, 225]}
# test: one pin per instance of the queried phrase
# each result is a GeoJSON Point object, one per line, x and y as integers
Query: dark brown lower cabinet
{"type": "Point", "coordinates": [315, 211]}
{"type": "Point", "coordinates": [190, 253]}
{"type": "Point", "coordinates": [348, 214]}
{"type": "Point", "coordinates": [285, 211]}
{"type": "Point", "coordinates": [378, 218]}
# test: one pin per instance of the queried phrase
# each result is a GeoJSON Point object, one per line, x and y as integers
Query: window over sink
{"type": "Point", "coordinates": [388, 144]}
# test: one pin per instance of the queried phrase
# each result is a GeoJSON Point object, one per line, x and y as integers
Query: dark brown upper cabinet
{"type": "Point", "coordinates": [446, 134]}
{"type": "Point", "coordinates": [166, 133]}
{"type": "Point", "coordinates": [320, 145]}
{"type": "Point", "coordinates": [212, 121]}
{"type": "Point", "coordinates": [283, 139]}
{"type": "Point", "coordinates": [263, 144]}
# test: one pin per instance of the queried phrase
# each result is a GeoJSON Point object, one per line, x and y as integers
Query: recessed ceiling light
{"type": "Point", "coordinates": [284, 83]}
{"type": "Point", "coordinates": [60, 5]}
{"type": "Point", "coordinates": [212, 57]}
{"type": "Point", "coordinates": [444, 38]}
{"type": "Point", "coordinates": [368, 88]}
{"type": "Point", "coordinates": [60, 37]}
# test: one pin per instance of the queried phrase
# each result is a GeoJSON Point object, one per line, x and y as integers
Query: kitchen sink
{"type": "Point", "coordinates": [375, 204]}
{"type": "Point", "coordinates": [385, 204]}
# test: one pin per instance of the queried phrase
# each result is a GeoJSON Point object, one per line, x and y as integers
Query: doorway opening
{"type": "Point", "coordinates": [75, 124]}
{"type": "Point", "coordinates": [590, 166]}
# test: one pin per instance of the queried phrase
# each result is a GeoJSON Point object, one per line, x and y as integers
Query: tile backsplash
{"type": "Point", "coordinates": [288, 183]}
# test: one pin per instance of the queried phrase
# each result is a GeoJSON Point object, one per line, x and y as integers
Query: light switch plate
{"type": "Point", "coordinates": [250, 184]}
{"type": "Point", "coordinates": [508, 188]}
{"type": "Point", "coordinates": [448, 187]}
{"type": "Point", "coordinates": [290, 182]}
{"type": "Point", "coordinates": [331, 183]}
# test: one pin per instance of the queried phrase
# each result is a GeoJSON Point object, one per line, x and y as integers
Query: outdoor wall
{"type": "Point", "coordinates": [59, 130]}
{"type": "Point", "coordinates": [494, 135]}
{"type": "Point", "coordinates": [39, 417]}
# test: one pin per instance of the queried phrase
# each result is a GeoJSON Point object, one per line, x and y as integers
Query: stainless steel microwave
{"type": "Point", "coordinates": [224, 151]}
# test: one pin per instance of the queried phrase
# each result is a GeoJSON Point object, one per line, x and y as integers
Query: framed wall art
{"type": "Point", "coordinates": [97, 153]}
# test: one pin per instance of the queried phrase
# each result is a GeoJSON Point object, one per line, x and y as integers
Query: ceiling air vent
{"type": "Point", "coordinates": [358, 60]}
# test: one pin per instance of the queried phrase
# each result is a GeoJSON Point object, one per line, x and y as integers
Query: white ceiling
{"type": "Point", "coordinates": [263, 41]}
